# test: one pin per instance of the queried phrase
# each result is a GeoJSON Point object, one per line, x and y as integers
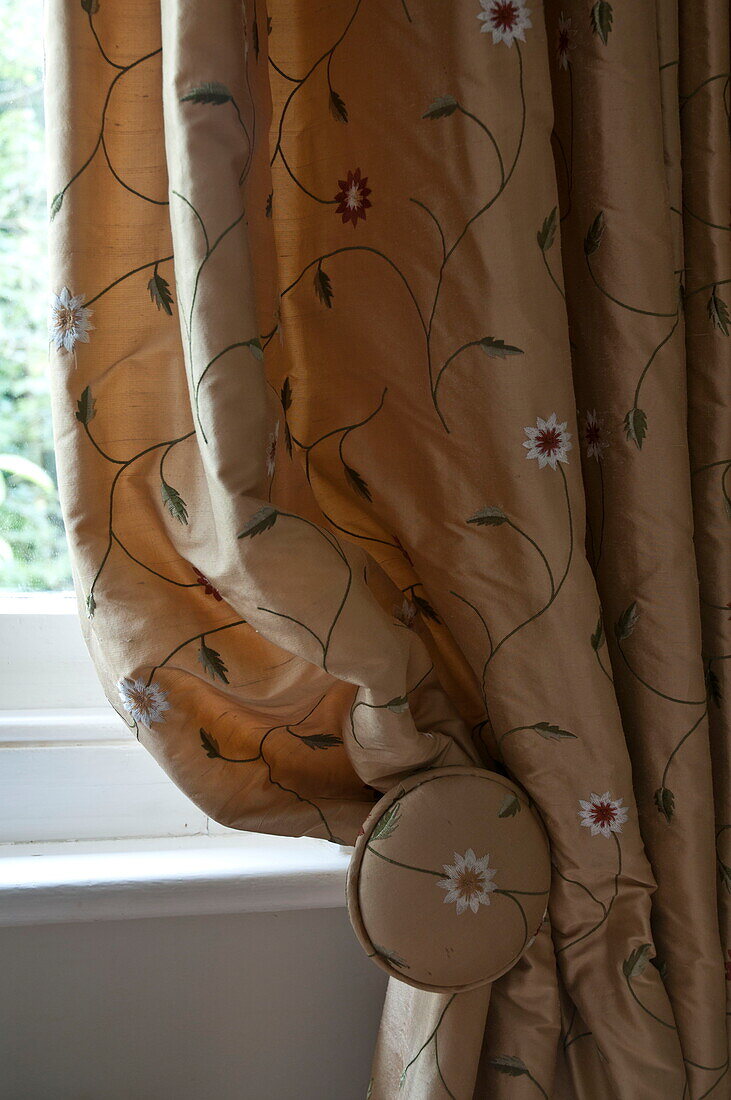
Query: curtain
{"type": "Point", "coordinates": [389, 348]}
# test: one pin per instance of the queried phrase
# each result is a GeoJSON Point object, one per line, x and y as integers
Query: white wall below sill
{"type": "Point", "coordinates": [162, 877]}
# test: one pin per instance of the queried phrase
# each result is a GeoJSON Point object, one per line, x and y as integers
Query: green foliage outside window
{"type": "Point", "coordinates": [33, 551]}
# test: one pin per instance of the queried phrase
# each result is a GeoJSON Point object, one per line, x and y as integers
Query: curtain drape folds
{"type": "Point", "coordinates": [390, 349]}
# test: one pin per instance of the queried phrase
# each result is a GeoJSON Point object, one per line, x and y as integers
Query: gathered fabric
{"type": "Point", "coordinates": [389, 356]}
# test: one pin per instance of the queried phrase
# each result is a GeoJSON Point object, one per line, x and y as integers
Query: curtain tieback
{"type": "Point", "coordinates": [448, 884]}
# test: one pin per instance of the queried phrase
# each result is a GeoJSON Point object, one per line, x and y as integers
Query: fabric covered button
{"type": "Point", "coordinates": [449, 880]}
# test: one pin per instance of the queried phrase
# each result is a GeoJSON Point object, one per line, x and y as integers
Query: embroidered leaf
{"type": "Point", "coordinates": [357, 483]}
{"type": "Point", "coordinates": [491, 516]}
{"type": "Point", "coordinates": [370, 1089]}
{"type": "Point", "coordinates": [547, 233]}
{"type": "Point", "coordinates": [91, 7]}
{"type": "Point", "coordinates": [442, 106]}
{"type": "Point", "coordinates": [261, 521]}
{"type": "Point", "coordinates": [323, 287]}
{"type": "Point", "coordinates": [718, 312]}
{"type": "Point", "coordinates": [337, 107]}
{"type": "Point", "coordinates": [725, 876]}
{"type": "Point", "coordinates": [635, 426]}
{"type": "Point", "coordinates": [593, 238]}
{"type": "Point", "coordinates": [601, 19]}
{"type": "Point", "coordinates": [392, 957]}
{"type": "Point", "coordinates": [211, 92]}
{"type": "Point", "coordinates": [552, 733]}
{"type": "Point", "coordinates": [56, 205]}
{"type": "Point", "coordinates": [209, 744]}
{"type": "Point", "coordinates": [174, 503]}
{"type": "Point", "coordinates": [321, 740]}
{"type": "Point", "coordinates": [85, 407]}
{"type": "Point", "coordinates": [287, 438]}
{"type": "Point", "coordinates": [255, 348]}
{"type": "Point", "coordinates": [255, 37]}
{"type": "Point", "coordinates": [626, 622]}
{"type": "Point", "coordinates": [508, 1064]}
{"type": "Point", "coordinates": [399, 705]}
{"type": "Point", "coordinates": [387, 822]}
{"type": "Point", "coordinates": [498, 349]}
{"type": "Point", "coordinates": [637, 961]}
{"type": "Point", "coordinates": [90, 605]}
{"type": "Point", "coordinates": [212, 664]}
{"type": "Point", "coordinates": [159, 289]}
{"type": "Point", "coordinates": [268, 206]}
{"type": "Point", "coordinates": [510, 806]}
{"type": "Point", "coordinates": [665, 802]}
{"type": "Point", "coordinates": [285, 394]}
{"type": "Point", "coordinates": [713, 686]}
{"type": "Point", "coordinates": [425, 608]}
{"type": "Point", "coordinates": [597, 638]}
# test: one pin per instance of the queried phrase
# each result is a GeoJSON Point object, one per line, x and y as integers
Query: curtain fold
{"type": "Point", "coordinates": [390, 380]}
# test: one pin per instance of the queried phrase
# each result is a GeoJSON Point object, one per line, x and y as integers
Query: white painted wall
{"type": "Point", "coordinates": [258, 1006]}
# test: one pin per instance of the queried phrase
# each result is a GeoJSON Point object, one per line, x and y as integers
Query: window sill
{"type": "Point", "coordinates": [183, 876]}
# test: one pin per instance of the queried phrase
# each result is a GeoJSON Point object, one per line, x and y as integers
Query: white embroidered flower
{"type": "Point", "coordinates": [146, 703]}
{"type": "Point", "coordinates": [405, 613]}
{"type": "Point", "coordinates": [271, 451]}
{"type": "Point", "coordinates": [505, 19]}
{"type": "Point", "coordinates": [468, 882]}
{"type": "Point", "coordinates": [69, 323]}
{"type": "Point", "coordinates": [602, 814]}
{"type": "Point", "coordinates": [594, 435]}
{"type": "Point", "coordinates": [566, 38]}
{"type": "Point", "coordinates": [548, 442]}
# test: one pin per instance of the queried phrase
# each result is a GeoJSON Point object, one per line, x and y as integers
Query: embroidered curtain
{"type": "Point", "coordinates": [390, 367]}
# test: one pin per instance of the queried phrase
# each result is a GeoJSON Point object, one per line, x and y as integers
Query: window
{"type": "Point", "coordinates": [33, 554]}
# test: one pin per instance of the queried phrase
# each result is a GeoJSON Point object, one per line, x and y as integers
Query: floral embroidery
{"type": "Point", "coordinates": [602, 814]}
{"type": "Point", "coordinates": [405, 613]}
{"type": "Point", "coordinates": [505, 19]}
{"type": "Point", "coordinates": [352, 198]}
{"type": "Point", "coordinates": [468, 882]}
{"type": "Point", "coordinates": [208, 588]}
{"type": "Point", "coordinates": [548, 442]}
{"type": "Point", "coordinates": [566, 40]}
{"type": "Point", "coordinates": [271, 451]}
{"type": "Point", "coordinates": [69, 324]}
{"type": "Point", "coordinates": [594, 435]}
{"type": "Point", "coordinates": [146, 703]}
{"type": "Point", "coordinates": [728, 967]}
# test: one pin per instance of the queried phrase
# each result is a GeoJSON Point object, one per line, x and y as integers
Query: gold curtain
{"type": "Point", "coordinates": [390, 368]}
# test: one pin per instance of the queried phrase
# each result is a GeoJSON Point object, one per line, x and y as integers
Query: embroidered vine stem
{"type": "Point", "coordinates": [100, 143]}
{"type": "Point", "coordinates": [391, 705]}
{"type": "Point", "coordinates": [214, 751]}
{"type": "Point", "coordinates": [449, 252]}
{"type": "Point", "coordinates": [124, 465]}
{"type": "Point", "coordinates": [334, 544]}
{"type": "Point", "coordinates": [607, 908]}
{"type": "Point", "coordinates": [554, 589]}
{"type": "Point", "coordinates": [426, 1043]}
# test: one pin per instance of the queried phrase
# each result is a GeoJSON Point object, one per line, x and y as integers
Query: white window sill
{"type": "Point", "coordinates": [162, 877]}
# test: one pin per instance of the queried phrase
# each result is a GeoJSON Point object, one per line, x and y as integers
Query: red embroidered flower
{"type": "Point", "coordinates": [548, 442]}
{"type": "Point", "coordinates": [352, 198]}
{"type": "Point", "coordinates": [208, 588]}
{"type": "Point", "coordinates": [602, 814]}
{"type": "Point", "coordinates": [506, 20]}
{"type": "Point", "coordinates": [594, 435]}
